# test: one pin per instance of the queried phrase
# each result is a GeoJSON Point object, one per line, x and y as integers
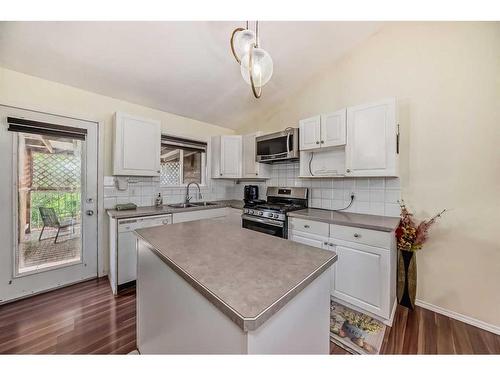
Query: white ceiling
{"type": "Point", "coordinates": [179, 67]}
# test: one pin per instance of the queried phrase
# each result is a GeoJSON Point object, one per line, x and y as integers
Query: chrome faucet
{"type": "Point", "coordinates": [188, 198]}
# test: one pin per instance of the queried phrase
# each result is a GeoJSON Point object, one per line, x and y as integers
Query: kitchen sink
{"type": "Point", "coordinates": [182, 205]}
{"type": "Point", "coordinates": [201, 204]}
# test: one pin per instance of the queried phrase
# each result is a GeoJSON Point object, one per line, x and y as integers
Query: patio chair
{"type": "Point", "coordinates": [50, 219]}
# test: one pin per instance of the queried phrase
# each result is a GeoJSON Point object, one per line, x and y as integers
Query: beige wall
{"type": "Point", "coordinates": [446, 77]}
{"type": "Point", "coordinates": [29, 92]}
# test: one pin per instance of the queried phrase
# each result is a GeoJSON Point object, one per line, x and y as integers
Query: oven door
{"type": "Point", "coordinates": [263, 225]}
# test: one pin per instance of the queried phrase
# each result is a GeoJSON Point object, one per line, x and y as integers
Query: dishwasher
{"type": "Point", "coordinates": [125, 254]}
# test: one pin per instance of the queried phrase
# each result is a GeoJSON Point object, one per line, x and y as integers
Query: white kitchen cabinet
{"type": "Point", "coordinates": [310, 133]}
{"type": "Point", "coordinates": [252, 169]}
{"type": "Point", "coordinates": [136, 144]}
{"type": "Point", "coordinates": [371, 139]}
{"type": "Point", "coordinates": [364, 276]}
{"type": "Point", "coordinates": [226, 156]}
{"type": "Point", "coordinates": [326, 130]}
{"type": "Point", "coordinates": [181, 217]}
{"type": "Point", "coordinates": [333, 129]}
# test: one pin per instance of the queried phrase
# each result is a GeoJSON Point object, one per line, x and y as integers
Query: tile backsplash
{"type": "Point", "coordinates": [376, 196]}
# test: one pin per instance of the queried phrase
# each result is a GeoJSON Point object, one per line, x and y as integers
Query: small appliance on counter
{"type": "Point", "coordinates": [271, 216]}
{"type": "Point", "coordinates": [251, 195]}
{"type": "Point", "coordinates": [125, 206]}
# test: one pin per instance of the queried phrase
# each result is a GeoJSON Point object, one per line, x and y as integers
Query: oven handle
{"type": "Point", "coordinates": [262, 221]}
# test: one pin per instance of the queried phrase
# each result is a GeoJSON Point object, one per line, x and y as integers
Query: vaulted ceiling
{"type": "Point", "coordinates": [184, 68]}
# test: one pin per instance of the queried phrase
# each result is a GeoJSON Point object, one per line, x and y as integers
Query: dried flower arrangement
{"type": "Point", "coordinates": [411, 237]}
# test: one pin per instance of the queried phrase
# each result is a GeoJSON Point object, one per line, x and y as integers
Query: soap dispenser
{"type": "Point", "coordinates": [159, 200]}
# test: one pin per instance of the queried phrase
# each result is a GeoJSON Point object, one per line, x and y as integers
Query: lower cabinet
{"type": "Point", "coordinates": [180, 217]}
{"type": "Point", "coordinates": [364, 275]}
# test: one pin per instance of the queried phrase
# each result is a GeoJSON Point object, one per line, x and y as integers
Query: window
{"type": "Point", "coordinates": [182, 161]}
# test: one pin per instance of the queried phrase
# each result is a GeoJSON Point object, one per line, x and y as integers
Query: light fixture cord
{"type": "Point", "coordinates": [257, 34]}
{"type": "Point", "coordinates": [247, 25]}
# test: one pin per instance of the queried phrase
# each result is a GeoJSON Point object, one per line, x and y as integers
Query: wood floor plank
{"type": "Point", "coordinates": [87, 318]}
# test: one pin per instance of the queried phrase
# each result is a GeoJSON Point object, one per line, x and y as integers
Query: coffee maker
{"type": "Point", "coordinates": [251, 194]}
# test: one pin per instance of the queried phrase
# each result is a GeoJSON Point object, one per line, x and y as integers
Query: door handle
{"type": "Point", "coordinates": [89, 212]}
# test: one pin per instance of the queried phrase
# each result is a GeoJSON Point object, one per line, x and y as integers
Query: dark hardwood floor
{"type": "Point", "coordinates": [86, 318]}
{"type": "Point", "coordinates": [82, 318]}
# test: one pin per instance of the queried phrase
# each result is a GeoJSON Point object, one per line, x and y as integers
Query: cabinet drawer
{"type": "Point", "coordinates": [361, 235]}
{"type": "Point", "coordinates": [308, 226]}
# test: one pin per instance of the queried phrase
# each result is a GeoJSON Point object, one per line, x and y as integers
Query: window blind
{"type": "Point", "coordinates": [43, 128]}
{"type": "Point", "coordinates": [184, 144]}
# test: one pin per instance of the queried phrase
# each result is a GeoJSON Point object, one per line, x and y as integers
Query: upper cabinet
{"type": "Point", "coordinates": [371, 134]}
{"type": "Point", "coordinates": [323, 131]}
{"type": "Point", "coordinates": [366, 134]}
{"type": "Point", "coordinates": [252, 169]}
{"type": "Point", "coordinates": [226, 156]}
{"type": "Point", "coordinates": [310, 133]}
{"type": "Point", "coordinates": [136, 144]}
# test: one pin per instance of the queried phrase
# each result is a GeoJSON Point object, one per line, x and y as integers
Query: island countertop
{"type": "Point", "coordinates": [247, 275]}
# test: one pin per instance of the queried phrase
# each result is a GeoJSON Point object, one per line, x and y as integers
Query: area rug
{"type": "Point", "coordinates": [354, 331]}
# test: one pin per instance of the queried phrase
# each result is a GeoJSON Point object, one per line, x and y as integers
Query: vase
{"type": "Point", "coordinates": [407, 278]}
{"type": "Point", "coordinates": [353, 331]}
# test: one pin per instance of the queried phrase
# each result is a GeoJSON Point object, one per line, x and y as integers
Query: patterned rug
{"type": "Point", "coordinates": [354, 331]}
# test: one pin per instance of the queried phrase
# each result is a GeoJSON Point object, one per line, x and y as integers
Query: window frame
{"type": "Point", "coordinates": [203, 168]}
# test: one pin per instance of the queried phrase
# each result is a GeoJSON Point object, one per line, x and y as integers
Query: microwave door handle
{"type": "Point", "coordinates": [288, 142]}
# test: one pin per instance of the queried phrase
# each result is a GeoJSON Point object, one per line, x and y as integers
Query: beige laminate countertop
{"type": "Point", "coordinates": [165, 209]}
{"type": "Point", "coordinates": [375, 222]}
{"type": "Point", "coordinates": [247, 275]}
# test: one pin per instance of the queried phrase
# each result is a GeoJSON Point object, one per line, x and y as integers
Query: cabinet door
{"type": "Point", "coordinates": [249, 163]}
{"type": "Point", "coordinates": [230, 160]}
{"type": "Point", "coordinates": [310, 133]}
{"type": "Point", "coordinates": [371, 139]}
{"type": "Point", "coordinates": [252, 169]}
{"type": "Point", "coordinates": [136, 146]}
{"type": "Point", "coordinates": [362, 277]}
{"type": "Point", "coordinates": [333, 129]}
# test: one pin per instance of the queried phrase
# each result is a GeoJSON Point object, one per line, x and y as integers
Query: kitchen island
{"type": "Point", "coordinates": [210, 286]}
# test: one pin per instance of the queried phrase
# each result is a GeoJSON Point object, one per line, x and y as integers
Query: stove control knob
{"type": "Point", "coordinates": [276, 216]}
{"type": "Point", "coordinates": [261, 213]}
{"type": "Point", "coordinates": [250, 212]}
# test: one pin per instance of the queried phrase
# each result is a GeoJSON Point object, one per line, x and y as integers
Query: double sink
{"type": "Point", "coordinates": [195, 204]}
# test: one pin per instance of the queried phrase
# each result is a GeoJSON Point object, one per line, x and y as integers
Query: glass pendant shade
{"type": "Point", "coordinates": [242, 42]}
{"type": "Point", "coordinates": [262, 67]}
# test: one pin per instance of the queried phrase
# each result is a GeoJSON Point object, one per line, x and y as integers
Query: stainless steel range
{"type": "Point", "coordinates": [270, 217]}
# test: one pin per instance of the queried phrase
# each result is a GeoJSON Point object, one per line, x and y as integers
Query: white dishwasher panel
{"type": "Point", "coordinates": [127, 251]}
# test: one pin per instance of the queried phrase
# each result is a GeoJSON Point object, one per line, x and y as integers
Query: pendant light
{"type": "Point", "coordinates": [256, 65]}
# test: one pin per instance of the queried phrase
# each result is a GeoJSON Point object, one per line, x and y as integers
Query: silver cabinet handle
{"type": "Point", "coordinates": [330, 244]}
{"type": "Point", "coordinates": [322, 142]}
{"type": "Point", "coordinates": [348, 170]}
{"type": "Point", "coordinates": [307, 226]}
{"type": "Point", "coordinates": [89, 212]}
{"type": "Point", "coordinates": [326, 243]}
{"type": "Point", "coordinates": [357, 235]}
{"type": "Point", "coordinates": [317, 142]}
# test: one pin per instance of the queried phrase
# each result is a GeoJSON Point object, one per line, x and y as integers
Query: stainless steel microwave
{"type": "Point", "coordinates": [278, 146]}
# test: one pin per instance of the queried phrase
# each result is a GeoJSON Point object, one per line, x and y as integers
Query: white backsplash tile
{"type": "Point", "coordinates": [376, 196]}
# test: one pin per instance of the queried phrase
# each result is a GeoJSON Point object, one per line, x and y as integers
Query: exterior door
{"type": "Point", "coordinates": [310, 133]}
{"type": "Point", "coordinates": [49, 202]}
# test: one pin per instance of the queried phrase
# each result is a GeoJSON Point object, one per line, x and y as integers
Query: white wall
{"type": "Point", "coordinates": [446, 76]}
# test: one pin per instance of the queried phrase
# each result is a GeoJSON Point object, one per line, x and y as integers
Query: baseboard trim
{"type": "Point", "coordinates": [463, 318]}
